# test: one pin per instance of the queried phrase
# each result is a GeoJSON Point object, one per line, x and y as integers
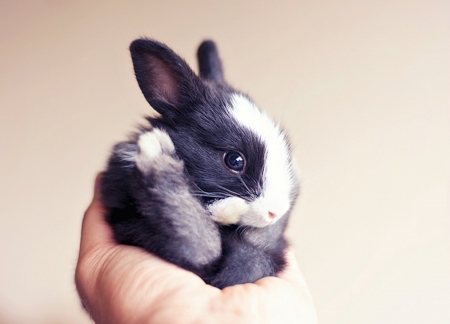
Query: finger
{"type": "Point", "coordinates": [293, 274]}
{"type": "Point", "coordinates": [95, 231]}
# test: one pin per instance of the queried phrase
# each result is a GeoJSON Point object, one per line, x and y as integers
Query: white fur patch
{"type": "Point", "coordinates": [229, 210]}
{"type": "Point", "coordinates": [151, 145]}
{"type": "Point", "coordinates": [277, 177]}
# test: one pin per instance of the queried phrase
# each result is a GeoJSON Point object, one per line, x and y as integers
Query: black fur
{"type": "Point", "coordinates": [162, 209]}
{"type": "Point", "coordinates": [209, 64]}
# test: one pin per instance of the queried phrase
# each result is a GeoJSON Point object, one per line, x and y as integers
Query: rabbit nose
{"type": "Point", "coordinates": [272, 215]}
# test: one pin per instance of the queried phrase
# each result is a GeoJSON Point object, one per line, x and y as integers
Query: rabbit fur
{"type": "Point", "coordinates": [209, 184]}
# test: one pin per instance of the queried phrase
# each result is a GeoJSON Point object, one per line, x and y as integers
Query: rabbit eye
{"type": "Point", "coordinates": [234, 161]}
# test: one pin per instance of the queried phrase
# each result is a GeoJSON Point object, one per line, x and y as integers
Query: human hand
{"type": "Point", "coordinates": [125, 284]}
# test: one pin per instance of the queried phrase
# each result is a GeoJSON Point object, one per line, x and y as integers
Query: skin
{"type": "Point", "coordinates": [125, 284]}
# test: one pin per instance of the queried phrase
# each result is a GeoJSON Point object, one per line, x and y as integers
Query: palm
{"type": "Point", "coordinates": [124, 284]}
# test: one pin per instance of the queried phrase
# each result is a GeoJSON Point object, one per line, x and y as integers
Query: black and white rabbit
{"type": "Point", "coordinates": [209, 185]}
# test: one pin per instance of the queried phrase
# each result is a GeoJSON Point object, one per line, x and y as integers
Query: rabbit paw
{"type": "Point", "coordinates": [152, 145]}
{"type": "Point", "coordinates": [229, 210]}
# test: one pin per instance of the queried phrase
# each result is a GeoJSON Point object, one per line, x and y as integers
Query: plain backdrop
{"type": "Point", "coordinates": [361, 86]}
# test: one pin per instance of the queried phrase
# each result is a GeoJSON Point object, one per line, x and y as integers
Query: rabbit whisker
{"type": "Point", "coordinates": [204, 193]}
{"type": "Point", "coordinates": [230, 192]}
{"type": "Point", "coordinates": [245, 185]}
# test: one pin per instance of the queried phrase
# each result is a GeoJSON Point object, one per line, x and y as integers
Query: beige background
{"type": "Point", "coordinates": [362, 86]}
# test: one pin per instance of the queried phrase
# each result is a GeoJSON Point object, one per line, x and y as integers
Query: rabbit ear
{"type": "Point", "coordinates": [209, 62]}
{"type": "Point", "coordinates": [165, 79]}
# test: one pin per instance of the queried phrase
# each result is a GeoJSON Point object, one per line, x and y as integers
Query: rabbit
{"type": "Point", "coordinates": [209, 184]}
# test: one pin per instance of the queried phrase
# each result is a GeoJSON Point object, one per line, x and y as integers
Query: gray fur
{"type": "Point", "coordinates": [159, 185]}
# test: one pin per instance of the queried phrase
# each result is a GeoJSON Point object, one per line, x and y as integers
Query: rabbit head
{"type": "Point", "coordinates": [239, 160]}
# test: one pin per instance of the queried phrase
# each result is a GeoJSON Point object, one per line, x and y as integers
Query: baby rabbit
{"type": "Point", "coordinates": [210, 183]}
